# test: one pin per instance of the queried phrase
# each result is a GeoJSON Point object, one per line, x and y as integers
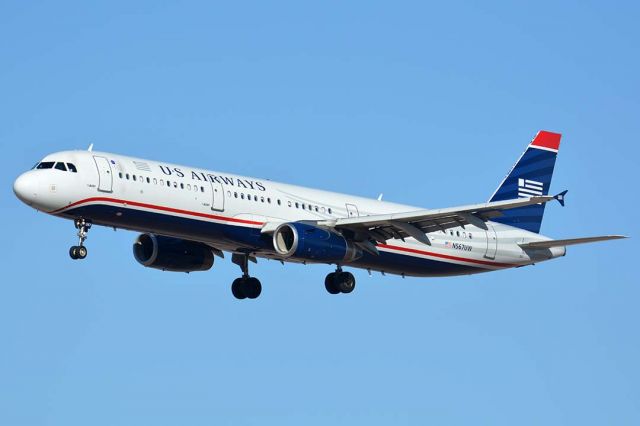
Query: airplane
{"type": "Point", "coordinates": [186, 216]}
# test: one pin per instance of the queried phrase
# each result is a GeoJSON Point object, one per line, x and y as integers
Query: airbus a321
{"type": "Point", "coordinates": [187, 216]}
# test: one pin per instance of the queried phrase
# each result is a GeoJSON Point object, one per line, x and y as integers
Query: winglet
{"type": "Point", "coordinates": [90, 149]}
{"type": "Point", "coordinates": [560, 197]}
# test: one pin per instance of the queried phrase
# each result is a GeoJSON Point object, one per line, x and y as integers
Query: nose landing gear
{"type": "Point", "coordinates": [80, 251]}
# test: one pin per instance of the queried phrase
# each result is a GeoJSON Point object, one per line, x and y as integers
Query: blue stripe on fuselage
{"type": "Point", "coordinates": [249, 238]}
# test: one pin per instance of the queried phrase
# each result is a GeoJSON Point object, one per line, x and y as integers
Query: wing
{"type": "Point", "coordinates": [569, 242]}
{"type": "Point", "coordinates": [415, 224]}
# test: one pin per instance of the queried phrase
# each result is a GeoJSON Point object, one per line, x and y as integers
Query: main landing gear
{"type": "Point", "coordinates": [80, 251]}
{"type": "Point", "coordinates": [340, 282]}
{"type": "Point", "coordinates": [245, 287]}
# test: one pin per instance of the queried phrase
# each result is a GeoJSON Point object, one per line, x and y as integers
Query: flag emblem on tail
{"type": "Point", "coordinates": [529, 188]}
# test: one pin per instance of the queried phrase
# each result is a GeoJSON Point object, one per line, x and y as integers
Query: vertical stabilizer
{"type": "Point", "coordinates": [530, 176]}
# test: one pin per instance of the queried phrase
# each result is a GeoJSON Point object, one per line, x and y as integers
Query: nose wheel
{"type": "Point", "coordinates": [79, 252]}
{"type": "Point", "coordinates": [340, 282]}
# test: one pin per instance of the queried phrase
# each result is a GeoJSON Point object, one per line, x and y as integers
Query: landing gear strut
{"type": "Point", "coordinates": [245, 287]}
{"type": "Point", "coordinates": [340, 282]}
{"type": "Point", "coordinates": [80, 251]}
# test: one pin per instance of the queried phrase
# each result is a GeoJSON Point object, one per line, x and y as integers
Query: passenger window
{"type": "Point", "coordinates": [120, 175]}
{"type": "Point", "coordinates": [329, 210]}
{"type": "Point", "coordinates": [323, 209]}
{"type": "Point", "coordinates": [169, 183]}
{"type": "Point", "coordinates": [255, 198]}
{"type": "Point", "coordinates": [134, 178]}
{"type": "Point", "coordinates": [297, 205]}
{"type": "Point", "coordinates": [289, 203]}
{"type": "Point", "coordinates": [457, 233]}
{"type": "Point", "coordinates": [262, 199]}
{"type": "Point", "coordinates": [202, 189]}
{"type": "Point", "coordinates": [242, 195]}
{"type": "Point", "coordinates": [181, 185]}
{"type": "Point", "coordinates": [279, 202]}
{"type": "Point", "coordinates": [148, 180]}
{"type": "Point", "coordinates": [316, 208]}
{"type": "Point", "coordinates": [72, 168]}
{"type": "Point", "coordinates": [161, 182]}
{"type": "Point", "coordinates": [175, 184]}
{"type": "Point", "coordinates": [155, 181]}
{"type": "Point", "coordinates": [470, 237]}
{"type": "Point", "coordinates": [45, 165]}
{"type": "Point", "coordinates": [141, 179]}
{"type": "Point", "coordinates": [188, 187]}
{"type": "Point", "coordinates": [235, 195]}
{"type": "Point", "coordinates": [229, 194]}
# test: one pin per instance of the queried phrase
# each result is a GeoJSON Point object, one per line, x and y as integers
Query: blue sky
{"type": "Point", "coordinates": [429, 104]}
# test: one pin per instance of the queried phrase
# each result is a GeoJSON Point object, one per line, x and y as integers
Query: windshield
{"type": "Point", "coordinates": [45, 165]}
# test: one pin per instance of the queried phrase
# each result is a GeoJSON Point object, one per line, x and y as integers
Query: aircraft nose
{"type": "Point", "coordinates": [25, 188]}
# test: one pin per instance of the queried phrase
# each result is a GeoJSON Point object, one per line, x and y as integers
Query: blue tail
{"type": "Point", "coordinates": [530, 176]}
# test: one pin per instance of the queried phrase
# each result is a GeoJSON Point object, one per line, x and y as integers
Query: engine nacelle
{"type": "Point", "coordinates": [172, 254]}
{"type": "Point", "coordinates": [308, 242]}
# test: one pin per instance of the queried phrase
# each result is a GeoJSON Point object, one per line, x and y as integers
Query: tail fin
{"type": "Point", "coordinates": [530, 176]}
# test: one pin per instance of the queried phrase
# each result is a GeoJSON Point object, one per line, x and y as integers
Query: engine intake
{"type": "Point", "coordinates": [308, 242]}
{"type": "Point", "coordinates": [172, 254]}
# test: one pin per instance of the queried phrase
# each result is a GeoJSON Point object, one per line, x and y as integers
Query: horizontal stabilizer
{"type": "Point", "coordinates": [569, 242]}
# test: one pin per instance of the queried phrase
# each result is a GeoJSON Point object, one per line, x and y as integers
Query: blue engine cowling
{"type": "Point", "coordinates": [172, 254]}
{"type": "Point", "coordinates": [307, 242]}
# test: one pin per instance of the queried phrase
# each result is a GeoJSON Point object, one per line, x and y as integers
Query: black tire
{"type": "Point", "coordinates": [346, 282]}
{"type": "Point", "coordinates": [330, 283]}
{"type": "Point", "coordinates": [73, 252]}
{"type": "Point", "coordinates": [252, 288]}
{"type": "Point", "coordinates": [237, 288]}
{"type": "Point", "coordinates": [81, 252]}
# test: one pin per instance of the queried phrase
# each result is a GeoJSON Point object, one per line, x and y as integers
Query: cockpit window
{"type": "Point", "coordinates": [61, 166]}
{"type": "Point", "coordinates": [45, 165]}
{"type": "Point", "coordinates": [72, 168]}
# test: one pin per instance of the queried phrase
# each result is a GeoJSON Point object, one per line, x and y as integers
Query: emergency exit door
{"type": "Point", "coordinates": [217, 194]}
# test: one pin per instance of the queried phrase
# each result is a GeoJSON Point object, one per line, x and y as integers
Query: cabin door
{"type": "Point", "coordinates": [492, 241]}
{"type": "Point", "coordinates": [105, 176]}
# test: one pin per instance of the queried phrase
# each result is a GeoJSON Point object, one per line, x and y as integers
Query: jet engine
{"type": "Point", "coordinates": [307, 242]}
{"type": "Point", "coordinates": [172, 254]}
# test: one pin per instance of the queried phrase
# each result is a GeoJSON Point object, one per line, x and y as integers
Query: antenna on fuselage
{"type": "Point", "coordinates": [90, 148]}
{"type": "Point", "coordinates": [380, 196]}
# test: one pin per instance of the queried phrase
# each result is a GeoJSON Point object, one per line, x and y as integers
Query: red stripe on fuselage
{"type": "Point", "coordinates": [156, 207]}
{"type": "Point", "coordinates": [445, 256]}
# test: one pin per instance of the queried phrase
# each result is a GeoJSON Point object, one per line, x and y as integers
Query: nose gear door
{"type": "Point", "coordinates": [105, 176]}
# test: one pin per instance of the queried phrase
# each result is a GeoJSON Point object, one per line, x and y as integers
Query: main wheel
{"type": "Point", "coordinates": [330, 283]}
{"type": "Point", "coordinates": [346, 282]}
{"type": "Point", "coordinates": [73, 252]}
{"type": "Point", "coordinates": [252, 288]}
{"type": "Point", "coordinates": [237, 288]}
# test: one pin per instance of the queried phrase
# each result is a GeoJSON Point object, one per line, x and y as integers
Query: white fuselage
{"type": "Point", "coordinates": [230, 213]}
